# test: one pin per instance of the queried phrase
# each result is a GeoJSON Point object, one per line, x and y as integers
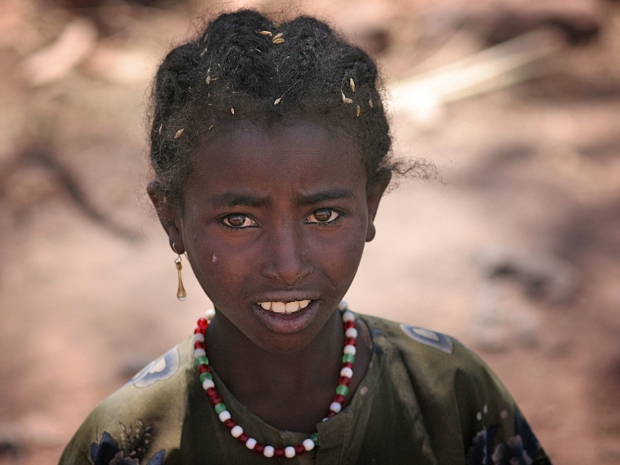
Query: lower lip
{"type": "Point", "coordinates": [287, 322]}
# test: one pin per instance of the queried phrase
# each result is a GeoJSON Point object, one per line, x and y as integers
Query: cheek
{"type": "Point", "coordinates": [218, 261]}
{"type": "Point", "coordinates": [339, 254]}
{"type": "Point", "coordinates": [220, 267]}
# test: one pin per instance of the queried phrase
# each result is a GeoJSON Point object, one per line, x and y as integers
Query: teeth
{"type": "Point", "coordinates": [285, 307]}
{"type": "Point", "coordinates": [278, 307]}
{"type": "Point", "coordinates": [291, 307]}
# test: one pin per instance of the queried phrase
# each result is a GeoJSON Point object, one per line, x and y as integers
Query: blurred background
{"type": "Point", "coordinates": [514, 248]}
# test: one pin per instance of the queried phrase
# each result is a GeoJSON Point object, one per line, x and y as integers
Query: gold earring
{"type": "Point", "coordinates": [181, 294]}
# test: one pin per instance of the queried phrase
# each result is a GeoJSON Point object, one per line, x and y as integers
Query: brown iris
{"type": "Point", "coordinates": [322, 215]}
{"type": "Point", "coordinates": [236, 221]}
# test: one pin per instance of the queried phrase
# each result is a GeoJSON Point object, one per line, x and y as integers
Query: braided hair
{"type": "Point", "coordinates": [245, 66]}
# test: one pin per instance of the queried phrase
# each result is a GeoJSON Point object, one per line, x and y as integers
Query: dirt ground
{"type": "Point", "coordinates": [514, 248]}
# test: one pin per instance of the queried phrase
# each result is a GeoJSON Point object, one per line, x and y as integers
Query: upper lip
{"type": "Point", "coordinates": [286, 296]}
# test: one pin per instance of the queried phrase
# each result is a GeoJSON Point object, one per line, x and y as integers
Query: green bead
{"type": "Point", "coordinates": [202, 360]}
{"type": "Point", "coordinates": [205, 375]}
{"type": "Point", "coordinates": [348, 358]}
{"type": "Point", "coordinates": [219, 408]}
{"type": "Point", "coordinates": [315, 438]}
{"type": "Point", "coordinates": [342, 390]}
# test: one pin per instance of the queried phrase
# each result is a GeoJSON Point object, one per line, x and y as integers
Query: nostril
{"type": "Point", "coordinates": [290, 279]}
{"type": "Point", "coordinates": [290, 283]}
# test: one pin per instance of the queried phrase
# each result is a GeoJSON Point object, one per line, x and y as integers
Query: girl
{"type": "Point", "coordinates": [270, 148]}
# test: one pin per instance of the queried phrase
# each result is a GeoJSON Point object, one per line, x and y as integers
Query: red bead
{"type": "Point", "coordinates": [331, 414]}
{"type": "Point", "coordinates": [259, 447]}
{"type": "Point", "coordinates": [278, 452]}
{"type": "Point", "coordinates": [349, 341]}
{"type": "Point", "coordinates": [211, 392]}
{"type": "Point", "coordinates": [203, 323]}
{"type": "Point", "coordinates": [216, 399]}
{"type": "Point", "coordinates": [344, 380]}
{"type": "Point", "coordinates": [200, 331]}
{"type": "Point", "coordinates": [243, 438]}
{"type": "Point", "coordinates": [199, 345]}
{"type": "Point", "coordinates": [339, 398]}
{"type": "Point", "coordinates": [230, 423]}
{"type": "Point", "coordinates": [349, 324]}
{"type": "Point", "coordinates": [299, 449]}
{"type": "Point", "coordinates": [204, 368]}
{"type": "Point", "coordinates": [347, 365]}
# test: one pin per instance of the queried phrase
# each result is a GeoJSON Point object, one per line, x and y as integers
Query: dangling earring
{"type": "Point", "coordinates": [181, 294]}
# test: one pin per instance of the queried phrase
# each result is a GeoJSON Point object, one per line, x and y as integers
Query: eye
{"type": "Point", "coordinates": [323, 216]}
{"type": "Point", "coordinates": [238, 221]}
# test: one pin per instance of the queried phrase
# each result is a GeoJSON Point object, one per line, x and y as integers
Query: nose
{"type": "Point", "coordinates": [287, 257]}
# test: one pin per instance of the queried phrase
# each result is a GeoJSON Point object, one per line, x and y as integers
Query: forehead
{"type": "Point", "coordinates": [302, 154]}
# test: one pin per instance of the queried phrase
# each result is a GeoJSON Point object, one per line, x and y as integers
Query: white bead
{"type": "Point", "coordinates": [209, 314]}
{"type": "Point", "coordinates": [268, 451]}
{"type": "Point", "coordinates": [250, 443]}
{"type": "Point", "coordinates": [208, 383]}
{"type": "Point", "coordinates": [343, 305]}
{"type": "Point", "coordinates": [199, 353]}
{"type": "Point", "coordinates": [289, 452]}
{"type": "Point", "coordinates": [349, 350]}
{"type": "Point", "coordinates": [336, 407]}
{"type": "Point", "coordinates": [351, 332]}
{"type": "Point", "coordinates": [308, 444]}
{"type": "Point", "coordinates": [346, 371]}
{"type": "Point", "coordinates": [348, 316]}
{"type": "Point", "coordinates": [198, 337]}
{"type": "Point", "coordinates": [236, 431]}
{"type": "Point", "coordinates": [225, 415]}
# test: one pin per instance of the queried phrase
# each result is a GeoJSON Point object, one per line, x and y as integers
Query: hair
{"type": "Point", "coordinates": [244, 66]}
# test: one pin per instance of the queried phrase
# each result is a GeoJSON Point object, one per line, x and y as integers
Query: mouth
{"type": "Point", "coordinates": [288, 311]}
{"type": "Point", "coordinates": [285, 308]}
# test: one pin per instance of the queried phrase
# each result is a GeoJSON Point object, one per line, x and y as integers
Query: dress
{"type": "Point", "coordinates": [425, 400]}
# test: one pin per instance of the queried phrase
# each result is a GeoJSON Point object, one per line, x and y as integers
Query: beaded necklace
{"type": "Point", "coordinates": [342, 390]}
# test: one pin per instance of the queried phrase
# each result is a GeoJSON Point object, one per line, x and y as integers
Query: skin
{"type": "Point", "coordinates": [279, 214]}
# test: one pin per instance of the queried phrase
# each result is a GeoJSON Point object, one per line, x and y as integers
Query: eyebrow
{"type": "Point", "coordinates": [233, 199]}
{"type": "Point", "coordinates": [322, 196]}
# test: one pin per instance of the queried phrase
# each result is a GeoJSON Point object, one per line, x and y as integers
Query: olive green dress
{"type": "Point", "coordinates": [425, 399]}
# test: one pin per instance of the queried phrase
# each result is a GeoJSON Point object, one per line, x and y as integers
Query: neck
{"type": "Point", "coordinates": [289, 390]}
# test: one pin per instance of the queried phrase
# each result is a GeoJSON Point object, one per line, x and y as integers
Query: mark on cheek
{"type": "Point", "coordinates": [213, 259]}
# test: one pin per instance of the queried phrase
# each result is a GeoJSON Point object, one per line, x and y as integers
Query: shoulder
{"type": "Point", "coordinates": [422, 349]}
{"type": "Point", "coordinates": [453, 385]}
{"type": "Point", "coordinates": [439, 364]}
{"type": "Point", "coordinates": [142, 421]}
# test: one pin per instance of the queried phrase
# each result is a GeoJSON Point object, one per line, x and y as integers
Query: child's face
{"type": "Point", "coordinates": [276, 215]}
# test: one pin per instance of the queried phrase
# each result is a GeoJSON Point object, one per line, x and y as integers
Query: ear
{"type": "Point", "coordinates": [373, 196]}
{"type": "Point", "coordinates": [168, 215]}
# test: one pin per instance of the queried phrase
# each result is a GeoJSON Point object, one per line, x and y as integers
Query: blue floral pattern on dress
{"type": "Point", "coordinates": [522, 428]}
{"type": "Point", "coordinates": [133, 447]}
{"type": "Point", "coordinates": [480, 452]}
{"type": "Point", "coordinates": [511, 452]}
{"type": "Point", "coordinates": [520, 449]}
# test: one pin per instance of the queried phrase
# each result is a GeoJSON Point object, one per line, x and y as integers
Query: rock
{"type": "Point", "coordinates": [10, 449]}
{"type": "Point", "coordinates": [503, 319]}
{"type": "Point", "coordinates": [578, 20]}
{"type": "Point", "coordinates": [60, 57]}
{"type": "Point", "coordinates": [540, 274]}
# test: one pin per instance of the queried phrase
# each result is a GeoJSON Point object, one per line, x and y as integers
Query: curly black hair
{"type": "Point", "coordinates": [245, 66]}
